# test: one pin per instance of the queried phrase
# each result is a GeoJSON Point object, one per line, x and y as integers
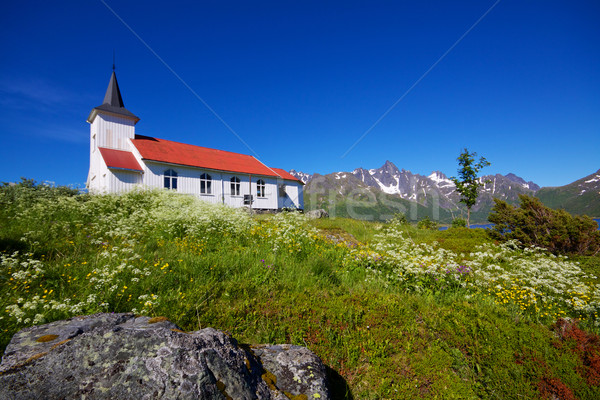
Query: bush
{"type": "Point", "coordinates": [28, 191]}
{"type": "Point", "coordinates": [535, 224]}
{"type": "Point", "coordinates": [459, 223]}
{"type": "Point", "coordinates": [399, 219]}
{"type": "Point", "coordinates": [426, 223]}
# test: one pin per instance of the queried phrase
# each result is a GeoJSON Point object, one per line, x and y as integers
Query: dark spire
{"type": "Point", "coordinates": [113, 94]}
{"type": "Point", "coordinates": [113, 102]}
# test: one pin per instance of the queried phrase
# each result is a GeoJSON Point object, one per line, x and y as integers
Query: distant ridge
{"type": "Point", "coordinates": [388, 189]}
{"type": "Point", "coordinates": [579, 197]}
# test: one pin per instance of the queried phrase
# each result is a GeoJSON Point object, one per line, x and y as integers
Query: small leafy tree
{"type": "Point", "coordinates": [468, 185]}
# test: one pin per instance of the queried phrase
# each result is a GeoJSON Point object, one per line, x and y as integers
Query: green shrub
{"type": "Point", "coordinates": [399, 219]}
{"type": "Point", "coordinates": [426, 223]}
{"type": "Point", "coordinates": [28, 190]}
{"type": "Point", "coordinates": [535, 224]}
{"type": "Point", "coordinates": [459, 223]}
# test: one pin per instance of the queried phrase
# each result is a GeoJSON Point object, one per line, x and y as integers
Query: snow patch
{"type": "Point", "coordinates": [440, 180]}
{"type": "Point", "coordinates": [594, 179]}
{"type": "Point", "coordinates": [387, 189]}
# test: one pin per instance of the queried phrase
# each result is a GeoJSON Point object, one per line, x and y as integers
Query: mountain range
{"type": "Point", "coordinates": [378, 194]}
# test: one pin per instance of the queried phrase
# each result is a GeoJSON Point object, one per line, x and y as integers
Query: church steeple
{"type": "Point", "coordinates": [113, 102]}
{"type": "Point", "coordinates": [113, 94]}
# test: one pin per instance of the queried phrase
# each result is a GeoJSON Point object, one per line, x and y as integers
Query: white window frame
{"type": "Point", "coordinates": [235, 186]}
{"type": "Point", "coordinates": [261, 188]}
{"type": "Point", "coordinates": [170, 179]}
{"type": "Point", "coordinates": [205, 183]}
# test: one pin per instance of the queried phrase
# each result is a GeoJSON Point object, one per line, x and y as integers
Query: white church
{"type": "Point", "coordinates": [121, 160]}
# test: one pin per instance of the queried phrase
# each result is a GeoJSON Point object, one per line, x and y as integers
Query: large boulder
{"type": "Point", "coordinates": [120, 356]}
{"type": "Point", "coordinates": [316, 214]}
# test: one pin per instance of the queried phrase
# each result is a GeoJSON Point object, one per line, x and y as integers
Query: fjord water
{"type": "Point", "coordinates": [489, 226]}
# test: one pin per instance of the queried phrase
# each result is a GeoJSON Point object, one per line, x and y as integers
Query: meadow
{"type": "Point", "coordinates": [394, 311]}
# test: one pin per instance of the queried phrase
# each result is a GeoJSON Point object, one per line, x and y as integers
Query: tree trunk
{"type": "Point", "coordinates": [468, 217]}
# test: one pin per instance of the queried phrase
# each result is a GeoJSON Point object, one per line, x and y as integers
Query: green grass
{"type": "Point", "coordinates": [375, 301]}
{"type": "Point", "coordinates": [459, 240]}
{"type": "Point", "coordinates": [363, 231]}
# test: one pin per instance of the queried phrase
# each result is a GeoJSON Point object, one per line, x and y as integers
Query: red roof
{"type": "Point", "coordinates": [286, 175]}
{"type": "Point", "coordinates": [120, 159]}
{"type": "Point", "coordinates": [153, 149]}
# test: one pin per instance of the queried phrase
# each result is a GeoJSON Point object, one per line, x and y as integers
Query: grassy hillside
{"type": "Point", "coordinates": [568, 198]}
{"type": "Point", "coordinates": [394, 311]}
{"type": "Point", "coordinates": [581, 197]}
{"type": "Point", "coordinates": [379, 210]}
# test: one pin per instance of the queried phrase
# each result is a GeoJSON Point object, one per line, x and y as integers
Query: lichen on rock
{"type": "Point", "coordinates": [109, 356]}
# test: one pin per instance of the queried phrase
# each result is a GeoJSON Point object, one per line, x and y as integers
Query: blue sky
{"type": "Point", "coordinates": [301, 82]}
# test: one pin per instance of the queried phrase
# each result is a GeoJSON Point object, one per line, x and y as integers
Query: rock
{"type": "Point", "coordinates": [296, 369]}
{"type": "Point", "coordinates": [320, 213]}
{"type": "Point", "coordinates": [118, 356]}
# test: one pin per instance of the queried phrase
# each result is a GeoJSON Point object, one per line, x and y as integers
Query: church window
{"type": "Point", "coordinates": [205, 184]}
{"type": "Point", "coordinates": [260, 188]}
{"type": "Point", "coordinates": [171, 179]}
{"type": "Point", "coordinates": [235, 186]}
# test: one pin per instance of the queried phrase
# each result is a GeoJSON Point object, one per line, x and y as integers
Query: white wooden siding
{"type": "Point", "coordinates": [188, 181]}
{"type": "Point", "coordinates": [113, 132]}
{"type": "Point", "coordinates": [122, 181]}
{"type": "Point", "coordinates": [293, 195]}
{"type": "Point", "coordinates": [98, 174]}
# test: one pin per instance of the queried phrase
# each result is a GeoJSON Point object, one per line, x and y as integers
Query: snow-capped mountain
{"type": "Point", "coordinates": [391, 180]}
{"type": "Point", "coordinates": [301, 175]}
{"type": "Point", "coordinates": [527, 185]}
{"type": "Point", "coordinates": [414, 187]}
{"type": "Point", "coordinates": [591, 182]}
